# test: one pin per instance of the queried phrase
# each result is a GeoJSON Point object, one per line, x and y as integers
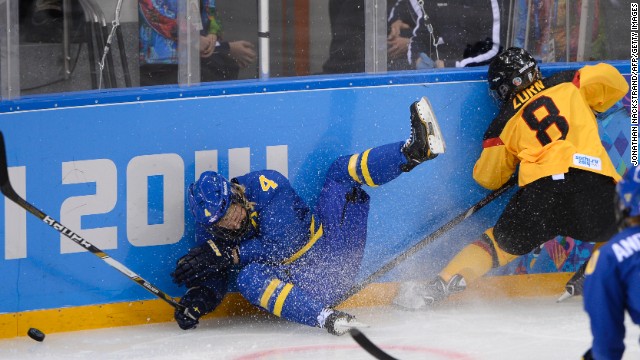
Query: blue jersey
{"type": "Point", "coordinates": [295, 261]}
{"type": "Point", "coordinates": [611, 287]}
{"type": "Point", "coordinates": [280, 219]}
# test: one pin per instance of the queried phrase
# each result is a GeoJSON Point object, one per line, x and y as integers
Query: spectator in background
{"type": "Point", "coordinates": [478, 52]}
{"type": "Point", "coordinates": [442, 28]}
{"type": "Point", "coordinates": [219, 60]}
{"type": "Point", "coordinates": [401, 22]}
{"type": "Point", "coordinates": [41, 21]}
{"type": "Point", "coordinates": [346, 51]}
{"type": "Point", "coordinates": [413, 32]}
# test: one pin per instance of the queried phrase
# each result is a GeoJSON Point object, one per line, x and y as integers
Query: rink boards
{"type": "Point", "coordinates": [114, 166]}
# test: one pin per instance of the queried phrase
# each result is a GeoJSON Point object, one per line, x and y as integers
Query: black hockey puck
{"type": "Point", "coordinates": [35, 334]}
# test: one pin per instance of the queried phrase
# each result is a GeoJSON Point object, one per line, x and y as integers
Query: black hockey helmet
{"type": "Point", "coordinates": [511, 72]}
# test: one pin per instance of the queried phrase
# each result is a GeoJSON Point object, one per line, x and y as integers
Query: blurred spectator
{"type": "Point", "coordinates": [550, 29]}
{"type": "Point", "coordinates": [476, 52]}
{"type": "Point", "coordinates": [444, 28]}
{"type": "Point", "coordinates": [219, 60]}
{"type": "Point", "coordinates": [346, 51]}
{"type": "Point", "coordinates": [401, 22]}
{"type": "Point", "coordinates": [41, 20]}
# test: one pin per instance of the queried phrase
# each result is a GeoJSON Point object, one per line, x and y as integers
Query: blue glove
{"type": "Point", "coordinates": [206, 261]}
{"type": "Point", "coordinates": [197, 301]}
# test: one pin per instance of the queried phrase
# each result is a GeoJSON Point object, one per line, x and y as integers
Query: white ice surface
{"type": "Point", "coordinates": [506, 329]}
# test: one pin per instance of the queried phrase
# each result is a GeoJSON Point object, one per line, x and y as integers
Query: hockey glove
{"type": "Point", "coordinates": [196, 302]}
{"type": "Point", "coordinates": [206, 261]}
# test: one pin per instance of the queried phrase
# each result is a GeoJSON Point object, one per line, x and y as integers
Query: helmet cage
{"type": "Point", "coordinates": [209, 200]}
{"type": "Point", "coordinates": [209, 197]}
{"type": "Point", "coordinates": [237, 197]}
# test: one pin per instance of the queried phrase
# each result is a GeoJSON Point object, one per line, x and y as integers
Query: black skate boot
{"type": "Point", "coordinates": [575, 284]}
{"type": "Point", "coordinates": [421, 296]}
{"type": "Point", "coordinates": [425, 142]}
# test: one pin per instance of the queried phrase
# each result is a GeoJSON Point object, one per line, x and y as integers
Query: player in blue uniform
{"type": "Point", "coordinates": [293, 262]}
{"type": "Point", "coordinates": [612, 283]}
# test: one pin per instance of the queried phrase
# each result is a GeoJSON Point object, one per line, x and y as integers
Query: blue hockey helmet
{"type": "Point", "coordinates": [209, 197]}
{"type": "Point", "coordinates": [628, 194]}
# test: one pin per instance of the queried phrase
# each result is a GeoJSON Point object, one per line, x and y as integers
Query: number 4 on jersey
{"type": "Point", "coordinates": [267, 184]}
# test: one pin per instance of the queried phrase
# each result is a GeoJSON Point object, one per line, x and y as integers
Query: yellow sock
{"type": "Point", "coordinates": [471, 262]}
{"type": "Point", "coordinates": [476, 259]}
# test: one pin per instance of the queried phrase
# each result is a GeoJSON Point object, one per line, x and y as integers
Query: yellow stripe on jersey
{"type": "Point", "coordinates": [253, 217]}
{"type": "Point", "coordinates": [313, 237]}
{"type": "Point", "coordinates": [353, 161]}
{"type": "Point", "coordinates": [365, 169]}
{"type": "Point", "coordinates": [277, 308]}
{"type": "Point", "coordinates": [268, 292]}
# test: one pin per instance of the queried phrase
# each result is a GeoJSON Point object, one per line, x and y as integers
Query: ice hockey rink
{"type": "Point", "coordinates": [521, 328]}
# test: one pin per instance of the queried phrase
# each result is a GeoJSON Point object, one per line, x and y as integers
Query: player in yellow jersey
{"type": "Point", "coordinates": [547, 130]}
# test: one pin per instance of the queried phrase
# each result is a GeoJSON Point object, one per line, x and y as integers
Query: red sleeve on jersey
{"type": "Point", "coordinates": [496, 141]}
{"type": "Point", "coordinates": [576, 79]}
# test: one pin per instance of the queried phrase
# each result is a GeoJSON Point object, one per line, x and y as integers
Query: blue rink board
{"type": "Point", "coordinates": [117, 165]}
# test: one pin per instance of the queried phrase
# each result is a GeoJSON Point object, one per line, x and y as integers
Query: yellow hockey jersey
{"type": "Point", "coordinates": [550, 127]}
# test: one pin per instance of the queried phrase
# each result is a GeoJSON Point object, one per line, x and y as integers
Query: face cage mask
{"type": "Point", "coordinates": [232, 234]}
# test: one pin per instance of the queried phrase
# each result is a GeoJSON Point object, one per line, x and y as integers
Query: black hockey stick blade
{"type": "Point", "coordinates": [370, 347]}
{"type": "Point", "coordinates": [429, 239]}
{"type": "Point", "coordinates": [9, 192]}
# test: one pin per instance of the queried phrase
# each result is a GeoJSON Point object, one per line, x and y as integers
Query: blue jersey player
{"type": "Point", "coordinates": [612, 283]}
{"type": "Point", "coordinates": [294, 262]}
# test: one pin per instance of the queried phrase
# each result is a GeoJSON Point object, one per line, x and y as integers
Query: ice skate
{"type": "Point", "coordinates": [426, 141]}
{"type": "Point", "coordinates": [423, 296]}
{"type": "Point", "coordinates": [575, 284]}
{"type": "Point", "coordinates": [338, 323]}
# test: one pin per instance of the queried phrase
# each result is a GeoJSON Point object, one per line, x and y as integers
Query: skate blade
{"type": "Point", "coordinates": [436, 141]}
{"type": "Point", "coordinates": [343, 328]}
{"type": "Point", "coordinates": [564, 297]}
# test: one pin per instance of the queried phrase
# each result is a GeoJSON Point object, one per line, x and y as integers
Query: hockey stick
{"type": "Point", "coordinates": [370, 347]}
{"type": "Point", "coordinates": [9, 192]}
{"type": "Point", "coordinates": [429, 239]}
